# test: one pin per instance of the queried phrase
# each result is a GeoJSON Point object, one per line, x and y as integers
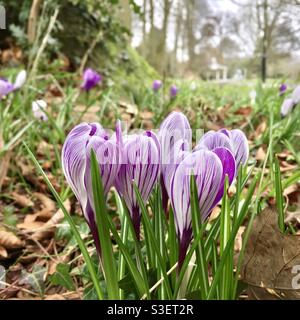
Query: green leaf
{"type": "Point", "coordinates": [79, 240]}
{"type": "Point", "coordinates": [107, 257]}
{"type": "Point", "coordinates": [197, 229]}
{"type": "Point", "coordinates": [62, 277]}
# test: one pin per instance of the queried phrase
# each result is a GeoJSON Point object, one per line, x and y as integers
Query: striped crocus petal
{"type": "Point", "coordinates": [234, 140]}
{"type": "Point", "coordinates": [5, 87]}
{"type": "Point", "coordinates": [208, 172]}
{"type": "Point", "coordinates": [175, 137]}
{"type": "Point", "coordinates": [296, 95]}
{"type": "Point", "coordinates": [212, 140]}
{"type": "Point", "coordinates": [229, 169]}
{"type": "Point", "coordinates": [240, 146]}
{"type": "Point", "coordinates": [74, 161]}
{"type": "Point", "coordinates": [20, 79]}
{"type": "Point", "coordinates": [140, 164]}
{"type": "Point", "coordinates": [286, 107]}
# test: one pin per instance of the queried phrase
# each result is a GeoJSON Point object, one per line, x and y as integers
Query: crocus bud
{"type": "Point", "coordinates": [210, 169]}
{"type": "Point", "coordinates": [175, 137]}
{"type": "Point", "coordinates": [296, 95]}
{"type": "Point", "coordinates": [90, 79]}
{"type": "Point", "coordinates": [76, 166]}
{"type": "Point", "coordinates": [282, 89]}
{"type": "Point", "coordinates": [38, 108]}
{"type": "Point", "coordinates": [173, 91]}
{"type": "Point", "coordinates": [6, 87]}
{"type": "Point", "coordinates": [156, 85]}
{"type": "Point", "coordinates": [286, 107]}
{"type": "Point", "coordinates": [140, 164]}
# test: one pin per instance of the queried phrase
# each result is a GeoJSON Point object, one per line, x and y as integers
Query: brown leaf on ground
{"type": "Point", "coordinates": [261, 128]}
{"type": "Point", "coordinates": [3, 252]}
{"type": "Point", "coordinates": [270, 260]}
{"type": "Point", "coordinates": [4, 165]}
{"type": "Point", "coordinates": [244, 111]}
{"type": "Point", "coordinates": [30, 226]}
{"type": "Point", "coordinates": [260, 154]}
{"type": "Point", "coordinates": [49, 227]}
{"type": "Point", "coordinates": [22, 200]}
{"type": "Point", "coordinates": [9, 240]}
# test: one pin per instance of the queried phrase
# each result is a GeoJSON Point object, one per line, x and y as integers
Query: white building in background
{"type": "Point", "coordinates": [219, 70]}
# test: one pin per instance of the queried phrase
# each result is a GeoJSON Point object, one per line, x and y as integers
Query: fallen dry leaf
{"type": "Point", "coordinates": [49, 227]}
{"type": "Point", "coordinates": [270, 257]}
{"type": "Point", "coordinates": [3, 252]}
{"type": "Point", "coordinates": [22, 200]}
{"type": "Point", "coordinates": [260, 154]}
{"type": "Point", "coordinates": [9, 240]}
{"type": "Point", "coordinates": [4, 165]}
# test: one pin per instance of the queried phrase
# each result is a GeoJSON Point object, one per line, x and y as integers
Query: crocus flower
{"type": "Point", "coordinates": [216, 155]}
{"type": "Point", "coordinates": [286, 107]}
{"type": "Point", "coordinates": [209, 169]}
{"type": "Point", "coordinates": [156, 85]}
{"type": "Point", "coordinates": [175, 137]}
{"type": "Point", "coordinates": [282, 89]}
{"type": "Point", "coordinates": [38, 108]}
{"type": "Point", "coordinates": [173, 91]}
{"type": "Point", "coordinates": [234, 140]}
{"type": "Point", "coordinates": [76, 166]}
{"type": "Point", "coordinates": [90, 79]}
{"type": "Point", "coordinates": [141, 164]}
{"type": "Point", "coordinates": [296, 95]}
{"type": "Point", "coordinates": [6, 87]}
{"type": "Point", "coordinates": [290, 102]}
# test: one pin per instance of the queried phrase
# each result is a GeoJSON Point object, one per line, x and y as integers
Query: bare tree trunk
{"type": "Point", "coordinates": [33, 19]}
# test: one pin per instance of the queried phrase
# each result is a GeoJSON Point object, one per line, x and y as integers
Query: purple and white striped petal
{"type": "Point", "coordinates": [212, 140]}
{"type": "Point", "coordinates": [74, 165]}
{"type": "Point", "coordinates": [74, 156]}
{"type": "Point", "coordinates": [208, 172]}
{"type": "Point", "coordinates": [233, 140]}
{"type": "Point", "coordinates": [286, 107]}
{"type": "Point", "coordinates": [5, 87]}
{"type": "Point", "coordinates": [239, 145]}
{"type": "Point", "coordinates": [229, 169]}
{"type": "Point", "coordinates": [175, 137]}
{"type": "Point", "coordinates": [140, 164]}
{"type": "Point", "coordinates": [296, 95]}
{"type": "Point", "coordinates": [20, 79]}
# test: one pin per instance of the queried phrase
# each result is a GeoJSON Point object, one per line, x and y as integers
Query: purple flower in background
{"type": "Point", "coordinates": [38, 108]}
{"type": "Point", "coordinates": [286, 107]}
{"type": "Point", "coordinates": [76, 166]}
{"type": "Point", "coordinates": [282, 89]}
{"type": "Point", "coordinates": [141, 164]}
{"type": "Point", "coordinates": [90, 79]}
{"type": "Point", "coordinates": [173, 91]}
{"type": "Point", "coordinates": [209, 169]}
{"type": "Point", "coordinates": [175, 137]}
{"type": "Point", "coordinates": [296, 95]}
{"type": "Point", "coordinates": [156, 85]}
{"type": "Point", "coordinates": [290, 103]}
{"type": "Point", "coordinates": [6, 87]}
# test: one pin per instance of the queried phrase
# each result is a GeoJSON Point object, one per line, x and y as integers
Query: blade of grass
{"type": "Point", "coordinates": [200, 252]}
{"type": "Point", "coordinates": [279, 195]}
{"type": "Point", "coordinates": [240, 219]}
{"type": "Point", "coordinates": [147, 225]}
{"type": "Point", "coordinates": [73, 227]}
{"type": "Point", "coordinates": [107, 256]}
